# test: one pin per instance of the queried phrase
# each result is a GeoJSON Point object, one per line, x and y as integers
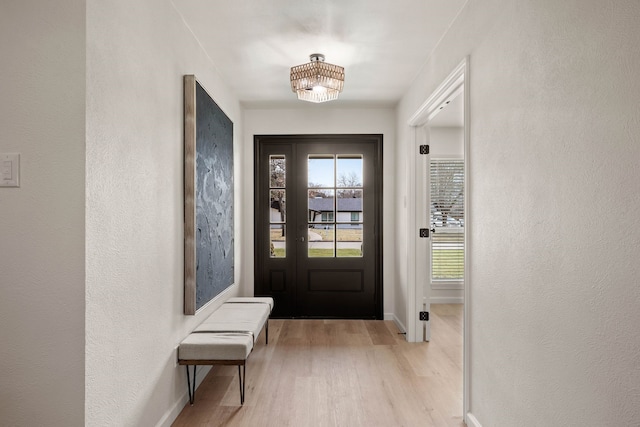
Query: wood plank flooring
{"type": "Point", "coordinates": [340, 373]}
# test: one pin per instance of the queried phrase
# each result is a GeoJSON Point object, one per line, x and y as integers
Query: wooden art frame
{"type": "Point", "coordinates": [208, 198]}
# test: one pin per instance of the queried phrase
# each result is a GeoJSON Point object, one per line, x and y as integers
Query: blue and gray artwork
{"type": "Point", "coordinates": [214, 199]}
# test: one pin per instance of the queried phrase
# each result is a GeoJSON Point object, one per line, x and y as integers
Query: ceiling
{"type": "Point", "coordinates": [450, 115]}
{"type": "Point", "coordinates": [382, 44]}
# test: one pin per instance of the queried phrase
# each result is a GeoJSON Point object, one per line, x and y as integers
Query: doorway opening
{"type": "Point", "coordinates": [452, 92]}
{"type": "Point", "coordinates": [318, 216]}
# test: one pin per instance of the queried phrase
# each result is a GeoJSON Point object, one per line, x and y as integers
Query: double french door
{"type": "Point", "coordinates": [317, 224]}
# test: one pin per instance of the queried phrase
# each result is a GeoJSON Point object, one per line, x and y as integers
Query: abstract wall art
{"type": "Point", "coordinates": [208, 198]}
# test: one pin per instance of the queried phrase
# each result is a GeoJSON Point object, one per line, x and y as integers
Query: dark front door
{"type": "Point", "coordinates": [318, 215]}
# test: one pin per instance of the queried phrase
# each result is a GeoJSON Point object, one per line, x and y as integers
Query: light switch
{"type": "Point", "coordinates": [9, 170]}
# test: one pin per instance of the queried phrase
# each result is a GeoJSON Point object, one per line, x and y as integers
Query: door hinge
{"type": "Point", "coordinates": [424, 316]}
{"type": "Point", "coordinates": [424, 149]}
{"type": "Point", "coordinates": [424, 232]}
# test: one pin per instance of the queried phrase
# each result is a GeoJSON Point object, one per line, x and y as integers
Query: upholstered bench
{"type": "Point", "coordinates": [226, 337]}
{"type": "Point", "coordinates": [255, 300]}
{"type": "Point", "coordinates": [237, 317]}
{"type": "Point", "coordinates": [252, 300]}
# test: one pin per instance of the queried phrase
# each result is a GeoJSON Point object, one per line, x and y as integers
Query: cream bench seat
{"type": "Point", "coordinates": [237, 317]}
{"type": "Point", "coordinates": [226, 337]}
{"type": "Point", "coordinates": [252, 300]}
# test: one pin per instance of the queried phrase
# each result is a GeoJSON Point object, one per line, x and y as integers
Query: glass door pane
{"type": "Point", "coordinates": [321, 206]}
{"type": "Point", "coordinates": [349, 215]}
{"type": "Point", "coordinates": [277, 206]}
{"type": "Point", "coordinates": [335, 212]}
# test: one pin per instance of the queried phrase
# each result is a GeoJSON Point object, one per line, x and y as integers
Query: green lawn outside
{"type": "Point", "coordinates": [323, 253]}
{"type": "Point", "coordinates": [457, 272]}
{"type": "Point", "coordinates": [344, 235]}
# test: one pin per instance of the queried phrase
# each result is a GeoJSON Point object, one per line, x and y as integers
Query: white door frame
{"type": "Point", "coordinates": [418, 250]}
{"type": "Point", "coordinates": [456, 82]}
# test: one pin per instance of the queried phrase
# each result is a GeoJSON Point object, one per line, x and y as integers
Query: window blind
{"type": "Point", "coordinates": [447, 218]}
{"type": "Point", "coordinates": [447, 255]}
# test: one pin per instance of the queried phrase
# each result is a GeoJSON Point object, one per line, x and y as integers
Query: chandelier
{"type": "Point", "coordinates": [317, 81]}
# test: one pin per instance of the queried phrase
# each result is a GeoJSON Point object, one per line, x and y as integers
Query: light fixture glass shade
{"type": "Point", "coordinates": [317, 81]}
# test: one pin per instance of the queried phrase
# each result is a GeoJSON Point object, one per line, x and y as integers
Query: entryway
{"type": "Point", "coordinates": [318, 223]}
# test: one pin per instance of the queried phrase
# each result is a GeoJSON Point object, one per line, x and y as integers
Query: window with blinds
{"type": "Point", "coordinates": [447, 218]}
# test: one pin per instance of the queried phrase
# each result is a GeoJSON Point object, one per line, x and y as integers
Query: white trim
{"type": "Point", "coordinates": [170, 416]}
{"type": "Point", "coordinates": [417, 249]}
{"type": "Point", "coordinates": [422, 246]}
{"type": "Point", "coordinates": [448, 156]}
{"type": "Point", "coordinates": [412, 330]}
{"type": "Point", "coordinates": [447, 285]}
{"type": "Point", "coordinates": [398, 323]}
{"type": "Point", "coordinates": [448, 89]}
{"type": "Point", "coordinates": [466, 370]}
{"type": "Point", "coordinates": [472, 421]}
{"type": "Point", "coordinates": [447, 300]}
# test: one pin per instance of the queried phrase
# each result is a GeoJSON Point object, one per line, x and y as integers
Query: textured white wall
{"type": "Point", "coordinates": [42, 98]}
{"type": "Point", "coordinates": [137, 53]}
{"type": "Point", "coordinates": [320, 119]}
{"type": "Point", "coordinates": [555, 212]}
{"type": "Point", "coordinates": [446, 142]}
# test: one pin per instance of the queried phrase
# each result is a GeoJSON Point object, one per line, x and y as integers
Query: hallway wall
{"type": "Point", "coordinates": [42, 100]}
{"type": "Point", "coordinates": [137, 54]}
{"type": "Point", "coordinates": [555, 212]}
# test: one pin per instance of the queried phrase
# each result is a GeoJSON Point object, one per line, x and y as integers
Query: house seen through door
{"type": "Point", "coordinates": [317, 225]}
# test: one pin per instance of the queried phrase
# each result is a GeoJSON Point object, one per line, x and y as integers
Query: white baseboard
{"type": "Point", "coordinates": [170, 416]}
{"type": "Point", "coordinates": [447, 300]}
{"type": "Point", "coordinates": [399, 325]}
{"type": "Point", "coordinates": [472, 421]}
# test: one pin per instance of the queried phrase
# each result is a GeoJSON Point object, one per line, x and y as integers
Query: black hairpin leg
{"type": "Point", "coordinates": [192, 392]}
{"type": "Point", "coordinates": [242, 376]}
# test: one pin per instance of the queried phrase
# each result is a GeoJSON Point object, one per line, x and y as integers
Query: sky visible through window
{"type": "Point", "coordinates": [321, 170]}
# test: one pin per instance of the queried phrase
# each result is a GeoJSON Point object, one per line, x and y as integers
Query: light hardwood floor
{"type": "Point", "coordinates": [340, 373]}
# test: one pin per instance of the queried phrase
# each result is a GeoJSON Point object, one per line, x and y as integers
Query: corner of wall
{"type": "Point", "coordinates": [472, 421]}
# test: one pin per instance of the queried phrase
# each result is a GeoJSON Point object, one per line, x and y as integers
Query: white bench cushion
{"type": "Point", "coordinates": [236, 318]}
{"type": "Point", "coordinates": [203, 346]}
{"type": "Point", "coordinates": [252, 300]}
